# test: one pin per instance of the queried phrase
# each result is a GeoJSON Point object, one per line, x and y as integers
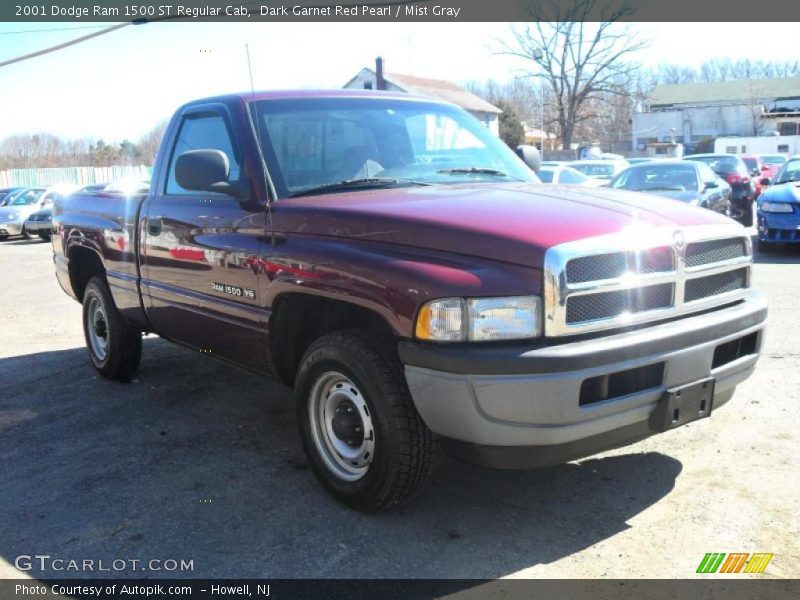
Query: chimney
{"type": "Point", "coordinates": [380, 82]}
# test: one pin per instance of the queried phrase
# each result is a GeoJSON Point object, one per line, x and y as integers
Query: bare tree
{"type": "Point", "coordinates": [578, 59]}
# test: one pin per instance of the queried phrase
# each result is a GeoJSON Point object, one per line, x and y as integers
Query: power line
{"type": "Point", "coordinates": [72, 42]}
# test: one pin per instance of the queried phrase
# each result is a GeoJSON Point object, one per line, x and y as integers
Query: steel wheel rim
{"type": "Point", "coordinates": [97, 329]}
{"type": "Point", "coordinates": [341, 426]}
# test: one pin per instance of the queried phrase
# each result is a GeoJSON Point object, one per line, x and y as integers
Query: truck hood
{"type": "Point", "coordinates": [514, 223]}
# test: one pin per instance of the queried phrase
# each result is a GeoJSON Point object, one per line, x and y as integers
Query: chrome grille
{"type": "Point", "coordinates": [615, 264]}
{"type": "Point", "coordinates": [596, 268]}
{"type": "Point", "coordinates": [715, 251]}
{"type": "Point", "coordinates": [609, 305]}
{"type": "Point", "coordinates": [656, 273]}
{"type": "Point", "coordinates": [714, 285]}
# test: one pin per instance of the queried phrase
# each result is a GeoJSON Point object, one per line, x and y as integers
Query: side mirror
{"type": "Point", "coordinates": [711, 185]}
{"type": "Point", "coordinates": [765, 181]}
{"type": "Point", "coordinates": [531, 156]}
{"type": "Point", "coordinates": [206, 171]}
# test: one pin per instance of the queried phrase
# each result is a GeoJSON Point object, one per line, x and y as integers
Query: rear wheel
{"type": "Point", "coordinates": [115, 348]}
{"type": "Point", "coordinates": [365, 441]}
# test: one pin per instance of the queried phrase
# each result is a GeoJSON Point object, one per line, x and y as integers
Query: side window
{"type": "Point", "coordinates": [205, 131]}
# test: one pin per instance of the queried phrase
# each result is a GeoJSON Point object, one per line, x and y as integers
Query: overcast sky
{"type": "Point", "coordinates": [120, 85]}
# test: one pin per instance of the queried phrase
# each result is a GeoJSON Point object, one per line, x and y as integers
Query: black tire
{"type": "Point", "coordinates": [45, 237]}
{"type": "Point", "coordinates": [404, 448]}
{"type": "Point", "coordinates": [25, 233]}
{"type": "Point", "coordinates": [123, 343]}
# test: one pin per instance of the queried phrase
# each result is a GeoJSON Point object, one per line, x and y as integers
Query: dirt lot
{"type": "Point", "coordinates": [192, 461]}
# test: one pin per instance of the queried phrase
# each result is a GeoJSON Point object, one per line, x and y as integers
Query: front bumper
{"type": "Point", "coordinates": [11, 228]}
{"type": "Point", "coordinates": [39, 226]}
{"type": "Point", "coordinates": [779, 227]}
{"type": "Point", "coordinates": [513, 407]}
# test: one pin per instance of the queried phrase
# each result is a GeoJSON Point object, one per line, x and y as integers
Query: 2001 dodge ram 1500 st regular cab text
{"type": "Point", "coordinates": [407, 274]}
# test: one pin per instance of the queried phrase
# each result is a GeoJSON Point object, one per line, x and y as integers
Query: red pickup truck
{"type": "Point", "coordinates": [409, 276]}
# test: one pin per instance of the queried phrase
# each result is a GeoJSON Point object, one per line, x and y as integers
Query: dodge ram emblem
{"type": "Point", "coordinates": [678, 239]}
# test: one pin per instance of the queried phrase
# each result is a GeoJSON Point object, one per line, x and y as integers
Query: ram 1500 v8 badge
{"type": "Point", "coordinates": [410, 278]}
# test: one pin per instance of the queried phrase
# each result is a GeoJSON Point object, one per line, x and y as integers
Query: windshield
{"type": "Point", "coordinates": [25, 197]}
{"type": "Point", "coordinates": [322, 141]}
{"type": "Point", "coordinates": [654, 176]}
{"type": "Point", "coordinates": [790, 172]}
{"type": "Point", "coordinates": [595, 170]}
{"type": "Point", "coordinates": [773, 159]}
{"type": "Point", "coordinates": [751, 163]}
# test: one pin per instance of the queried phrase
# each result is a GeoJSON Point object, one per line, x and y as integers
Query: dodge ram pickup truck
{"type": "Point", "coordinates": [408, 275]}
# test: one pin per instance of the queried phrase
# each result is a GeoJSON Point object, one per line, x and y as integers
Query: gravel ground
{"type": "Point", "coordinates": [195, 461]}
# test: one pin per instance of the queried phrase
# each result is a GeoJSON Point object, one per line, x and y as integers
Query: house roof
{"type": "Point", "coordinates": [437, 88]}
{"type": "Point", "coordinates": [726, 91]}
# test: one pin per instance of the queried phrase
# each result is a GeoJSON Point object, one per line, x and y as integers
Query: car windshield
{"type": "Point", "coordinates": [773, 159]}
{"type": "Point", "coordinates": [654, 176]}
{"type": "Point", "coordinates": [328, 143]}
{"type": "Point", "coordinates": [790, 172]}
{"type": "Point", "coordinates": [751, 163]}
{"type": "Point", "coordinates": [594, 169]}
{"type": "Point", "coordinates": [26, 197]}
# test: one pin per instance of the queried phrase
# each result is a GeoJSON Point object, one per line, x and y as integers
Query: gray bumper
{"type": "Point", "coordinates": [514, 398]}
{"type": "Point", "coordinates": [10, 228]}
{"type": "Point", "coordinates": [39, 226]}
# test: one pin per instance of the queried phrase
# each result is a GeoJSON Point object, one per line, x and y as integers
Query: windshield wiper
{"type": "Point", "coordinates": [477, 170]}
{"type": "Point", "coordinates": [350, 184]}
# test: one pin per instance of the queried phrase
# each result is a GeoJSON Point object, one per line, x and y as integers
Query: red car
{"type": "Point", "coordinates": [757, 170]}
{"type": "Point", "coordinates": [771, 164]}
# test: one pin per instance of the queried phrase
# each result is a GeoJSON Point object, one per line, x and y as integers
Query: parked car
{"type": "Point", "coordinates": [691, 182]}
{"type": "Point", "coordinates": [40, 222]}
{"type": "Point", "coordinates": [779, 207]}
{"type": "Point", "coordinates": [757, 169]}
{"type": "Point", "coordinates": [773, 164]}
{"type": "Point", "coordinates": [416, 291]}
{"type": "Point", "coordinates": [566, 176]}
{"type": "Point", "coordinates": [19, 206]}
{"type": "Point", "coordinates": [92, 188]}
{"type": "Point", "coordinates": [600, 169]}
{"type": "Point", "coordinates": [733, 170]}
{"type": "Point", "coordinates": [5, 194]}
{"type": "Point", "coordinates": [639, 159]}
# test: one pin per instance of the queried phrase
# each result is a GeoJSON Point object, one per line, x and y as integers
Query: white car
{"type": "Point", "coordinates": [601, 169]}
{"type": "Point", "coordinates": [565, 175]}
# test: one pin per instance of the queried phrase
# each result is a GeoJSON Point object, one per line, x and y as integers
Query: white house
{"type": "Point", "coordinates": [697, 113]}
{"type": "Point", "coordinates": [377, 79]}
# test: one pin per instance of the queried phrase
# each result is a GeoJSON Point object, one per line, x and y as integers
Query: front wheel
{"type": "Point", "coordinates": [24, 233]}
{"type": "Point", "coordinates": [45, 237]}
{"type": "Point", "coordinates": [365, 441]}
{"type": "Point", "coordinates": [115, 347]}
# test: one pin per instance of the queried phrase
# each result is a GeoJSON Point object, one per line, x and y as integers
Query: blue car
{"type": "Point", "coordinates": [779, 206]}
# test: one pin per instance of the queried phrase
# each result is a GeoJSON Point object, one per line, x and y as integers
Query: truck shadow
{"type": "Point", "coordinates": [197, 461]}
{"type": "Point", "coordinates": [785, 254]}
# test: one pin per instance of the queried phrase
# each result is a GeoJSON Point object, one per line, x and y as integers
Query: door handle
{"type": "Point", "coordinates": [154, 226]}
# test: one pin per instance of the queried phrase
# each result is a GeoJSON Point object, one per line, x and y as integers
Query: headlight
{"type": "Point", "coordinates": [12, 216]}
{"type": "Point", "coordinates": [480, 319]}
{"type": "Point", "coordinates": [776, 207]}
